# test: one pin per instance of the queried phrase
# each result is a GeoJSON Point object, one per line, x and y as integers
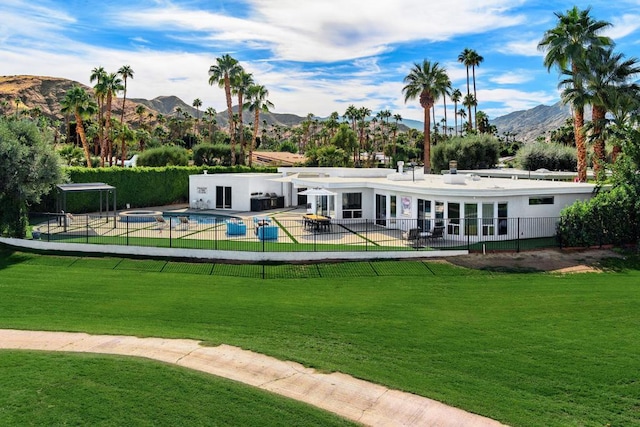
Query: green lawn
{"type": "Point", "coordinates": [41, 389]}
{"type": "Point", "coordinates": [526, 349]}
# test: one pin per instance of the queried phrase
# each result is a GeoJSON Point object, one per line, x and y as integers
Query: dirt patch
{"type": "Point", "coordinates": [551, 260]}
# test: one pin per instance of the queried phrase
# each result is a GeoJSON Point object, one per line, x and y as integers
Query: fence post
{"type": "Point", "coordinates": [518, 240]}
{"type": "Point", "coordinates": [127, 216]}
{"type": "Point", "coordinates": [170, 236]}
{"type": "Point", "coordinates": [86, 228]}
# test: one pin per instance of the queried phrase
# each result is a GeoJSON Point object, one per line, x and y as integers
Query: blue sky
{"type": "Point", "coordinates": [313, 56]}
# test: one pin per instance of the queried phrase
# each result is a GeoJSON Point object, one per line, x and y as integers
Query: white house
{"type": "Point", "coordinates": [467, 205]}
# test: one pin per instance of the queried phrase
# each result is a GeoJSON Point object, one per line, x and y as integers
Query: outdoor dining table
{"type": "Point", "coordinates": [317, 222]}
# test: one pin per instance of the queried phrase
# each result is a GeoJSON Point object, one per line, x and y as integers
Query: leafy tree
{"type": "Point", "coordinates": [29, 168]}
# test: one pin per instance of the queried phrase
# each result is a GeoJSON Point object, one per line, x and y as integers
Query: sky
{"type": "Point", "coordinates": [313, 56]}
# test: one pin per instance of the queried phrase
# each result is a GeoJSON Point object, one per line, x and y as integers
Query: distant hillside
{"type": "Point", "coordinates": [46, 93]}
{"type": "Point", "coordinates": [527, 125]}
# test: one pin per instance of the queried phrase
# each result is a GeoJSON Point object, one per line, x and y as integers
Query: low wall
{"type": "Point", "coordinates": [224, 255]}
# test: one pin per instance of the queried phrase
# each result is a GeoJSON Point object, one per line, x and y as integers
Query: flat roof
{"type": "Point", "coordinates": [86, 186]}
{"type": "Point", "coordinates": [435, 184]}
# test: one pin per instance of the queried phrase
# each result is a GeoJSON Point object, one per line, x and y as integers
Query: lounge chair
{"type": "Point", "coordinates": [161, 223]}
{"type": "Point", "coordinates": [184, 223]}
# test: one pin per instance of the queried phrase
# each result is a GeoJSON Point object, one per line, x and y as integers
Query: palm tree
{"type": "Point", "coordinates": [78, 102]}
{"type": "Point", "coordinates": [126, 72]}
{"type": "Point", "coordinates": [109, 86]}
{"type": "Point", "coordinates": [97, 75]}
{"type": "Point", "coordinates": [256, 103]}
{"type": "Point", "coordinates": [239, 85]}
{"type": "Point", "coordinates": [604, 74]}
{"type": "Point", "coordinates": [221, 73]}
{"type": "Point", "coordinates": [469, 101]}
{"type": "Point", "coordinates": [197, 103]}
{"type": "Point", "coordinates": [462, 58]}
{"type": "Point", "coordinates": [140, 110]}
{"type": "Point", "coordinates": [565, 45]}
{"type": "Point", "coordinates": [446, 91]}
{"type": "Point", "coordinates": [456, 96]}
{"type": "Point", "coordinates": [426, 82]}
{"type": "Point", "coordinates": [475, 60]}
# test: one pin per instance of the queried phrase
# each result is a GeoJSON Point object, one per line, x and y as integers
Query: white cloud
{"type": "Point", "coordinates": [513, 77]}
{"type": "Point", "coordinates": [332, 30]}
{"type": "Point", "coordinates": [623, 26]}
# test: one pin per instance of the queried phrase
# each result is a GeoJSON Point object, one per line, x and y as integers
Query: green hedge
{"type": "Point", "coordinates": [139, 187]}
{"type": "Point", "coordinates": [554, 157]}
{"type": "Point", "coordinates": [471, 152]}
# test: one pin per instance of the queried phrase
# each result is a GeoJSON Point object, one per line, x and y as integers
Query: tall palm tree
{"type": "Point", "coordinates": [462, 58]}
{"type": "Point", "coordinates": [125, 72]}
{"type": "Point", "coordinates": [456, 96]}
{"type": "Point", "coordinates": [110, 85]}
{"type": "Point", "coordinates": [565, 45]}
{"type": "Point", "coordinates": [197, 103]}
{"type": "Point", "coordinates": [426, 82]}
{"type": "Point", "coordinates": [78, 102]}
{"type": "Point", "coordinates": [97, 75]}
{"type": "Point", "coordinates": [221, 73]}
{"type": "Point", "coordinates": [446, 91]}
{"type": "Point", "coordinates": [469, 101]}
{"type": "Point", "coordinates": [239, 85]}
{"type": "Point", "coordinates": [604, 74]}
{"type": "Point", "coordinates": [257, 102]}
{"type": "Point", "coordinates": [474, 60]}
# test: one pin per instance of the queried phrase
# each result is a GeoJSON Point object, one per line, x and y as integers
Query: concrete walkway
{"type": "Point", "coordinates": [357, 400]}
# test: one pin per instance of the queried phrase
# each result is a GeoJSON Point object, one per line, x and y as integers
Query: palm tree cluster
{"type": "Point", "coordinates": [592, 73]}
{"type": "Point", "coordinates": [83, 106]}
{"type": "Point", "coordinates": [227, 73]}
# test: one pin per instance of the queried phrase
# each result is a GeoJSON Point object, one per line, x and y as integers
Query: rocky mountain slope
{"type": "Point", "coordinates": [46, 93]}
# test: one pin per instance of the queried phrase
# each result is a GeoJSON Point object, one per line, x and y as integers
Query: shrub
{"type": "Point", "coordinates": [541, 155]}
{"type": "Point", "coordinates": [212, 154]}
{"type": "Point", "coordinates": [471, 152]}
{"type": "Point", "coordinates": [164, 156]}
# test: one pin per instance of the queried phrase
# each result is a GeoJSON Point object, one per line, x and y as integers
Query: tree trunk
{"type": "Point", "coordinates": [581, 147]}
{"type": "Point", "coordinates": [227, 90]}
{"type": "Point", "coordinates": [599, 151]}
{"type": "Point", "coordinates": [427, 142]}
{"type": "Point", "coordinates": [83, 138]}
{"type": "Point", "coordinates": [256, 120]}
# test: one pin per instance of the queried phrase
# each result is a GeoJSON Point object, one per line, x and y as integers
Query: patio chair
{"type": "Point", "coordinates": [267, 232]}
{"type": "Point", "coordinates": [184, 223]}
{"type": "Point", "coordinates": [437, 233]}
{"type": "Point", "coordinates": [161, 223]}
{"type": "Point", "coordinates": [414, 236]}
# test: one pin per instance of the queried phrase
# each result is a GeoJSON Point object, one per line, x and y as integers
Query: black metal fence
{"type": "Point", "coordinates": [295, 233]}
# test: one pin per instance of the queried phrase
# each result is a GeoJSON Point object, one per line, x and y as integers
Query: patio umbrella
{"type": "Point", "coordinates": [317, 192]}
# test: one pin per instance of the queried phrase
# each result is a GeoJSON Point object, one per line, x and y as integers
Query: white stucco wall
{"type": "Point", "coordinates": [202, 189]}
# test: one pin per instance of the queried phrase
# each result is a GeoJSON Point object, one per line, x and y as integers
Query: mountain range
{"type": "Point", "coordinates": [45, 93]}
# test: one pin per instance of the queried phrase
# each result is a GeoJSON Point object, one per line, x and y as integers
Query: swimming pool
{"type": "Point", "coordinates": [200, 218]}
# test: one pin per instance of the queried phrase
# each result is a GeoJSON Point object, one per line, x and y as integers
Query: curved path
{"type": "Point", "coordinates": [354, 399]}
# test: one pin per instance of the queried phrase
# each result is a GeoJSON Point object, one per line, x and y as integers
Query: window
{"type": "Point", "coordinates": [471, 219]}
{"type": "Point", "coordinates": [424, 215]}
{"type": "Point", "coordinates": [488, 227]}
{"type": "Point", "coordinates": [439, 214]}
{"type": "Point", "coordinates": [351, 205]}
{"type": "Point", "coordinates": [393, 207]}
{"type": "Point", "coordinates": [453, 214]}
{"type": "Point", "coordinates": [223, 197]}
{"type": "Point", "coordinates": [503, 224]}
{"type": "Point", "coordinates": [540, 201]}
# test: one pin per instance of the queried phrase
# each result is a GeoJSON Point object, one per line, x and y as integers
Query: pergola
{"type": "Point", "coordinates": [105, 190]}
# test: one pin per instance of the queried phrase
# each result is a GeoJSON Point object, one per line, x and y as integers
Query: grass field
{"type": "Point", "coordinates": [526, 349]}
